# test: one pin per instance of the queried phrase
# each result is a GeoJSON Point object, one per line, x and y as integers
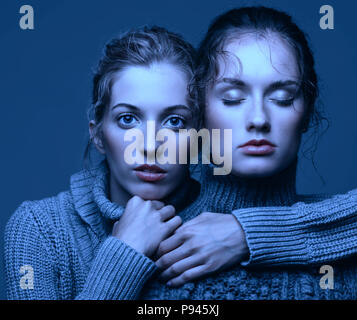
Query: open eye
{"type": "Point", "coordinates": [127, 120]}
{"type": "Point", "coordinates": [175, 122]}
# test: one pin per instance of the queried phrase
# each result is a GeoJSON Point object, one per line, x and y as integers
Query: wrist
{"type": "Point", "coordinates": [240, 243]}
{"type": "Point", "coordinates": [137, 246]}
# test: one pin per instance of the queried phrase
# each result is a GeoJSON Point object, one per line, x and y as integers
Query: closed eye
{"type": "Point", "coordinates": [283, 102]}
{"type": "Point", "coordinates": [232, 102]}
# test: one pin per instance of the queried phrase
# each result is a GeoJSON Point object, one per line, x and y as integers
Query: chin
{"type": "Point", "coordinates": [254, 168]}
{"type": "Point", "coordinates": [150, 193]}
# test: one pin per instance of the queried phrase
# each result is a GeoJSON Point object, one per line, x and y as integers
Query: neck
{"type": "Point", "coordinates": [184, 194]}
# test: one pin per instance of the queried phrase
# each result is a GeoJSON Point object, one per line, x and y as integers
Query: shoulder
{"type": "Point", "coordinates": [39, 218]}
{"type": "Point", "coordinates": [311, 198]}
{"type": "Point", "coordinates": [52, 217]}
{"type": "Point", "coordinates": [52, 212]}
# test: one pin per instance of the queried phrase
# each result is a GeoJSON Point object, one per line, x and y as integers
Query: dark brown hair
{"type": "Point", "coordinates": [261, 21]}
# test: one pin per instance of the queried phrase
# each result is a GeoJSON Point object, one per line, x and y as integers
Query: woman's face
{"type": "Point", "coordinates": [258, 98]}
{"type": "Point", "coordinates": [139, 94]}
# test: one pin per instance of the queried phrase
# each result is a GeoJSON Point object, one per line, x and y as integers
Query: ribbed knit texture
{"type": "Point", "coordinates": [305, 233]}
{"type": "Point", "coordinates": [66, 239]}
{"type": "Point", "coordinates": [277, 235]}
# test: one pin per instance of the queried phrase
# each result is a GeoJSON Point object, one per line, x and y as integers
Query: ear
{"type": "Point", "coordinates": [95, 138]}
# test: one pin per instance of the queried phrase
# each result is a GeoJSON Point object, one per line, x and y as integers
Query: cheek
{"type": "Point", "coordinates": [212, 116]}
{"type": "Point", "coordinates": [183, 148]}
{"type": "Point", "coordinates": [226, 118]}
{"type": "Point", "coordinates": [289, 128]}
{"type": "Point", "coordinates": [209, 119]}
{"type": "Point", "coordinates": [219, 117]}
{"type": "Point", "coordinates": [114, 141]}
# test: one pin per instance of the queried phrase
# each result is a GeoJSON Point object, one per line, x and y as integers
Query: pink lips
{"type": "Point", "coordinates": [258, 147]}
{"type": "Point", "coordinates": [150, 173]}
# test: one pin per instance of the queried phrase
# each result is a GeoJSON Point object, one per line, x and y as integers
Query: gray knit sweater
{"type": "Point", "coordinates": [66, 241]}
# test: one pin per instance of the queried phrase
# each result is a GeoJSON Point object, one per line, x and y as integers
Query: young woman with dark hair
{"type": "Point", "coordinates": [256, 76]}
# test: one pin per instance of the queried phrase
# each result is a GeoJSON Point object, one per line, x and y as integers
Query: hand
{"type": "Point", "coordinates": [208, 243]}
{"type": "Point", "coordinates": [144, 224]}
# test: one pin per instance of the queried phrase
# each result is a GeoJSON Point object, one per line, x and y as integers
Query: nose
{"type": "Point", "coordinates": [257, 117]}
{"type": "Point", "coordinates": [150, 144]}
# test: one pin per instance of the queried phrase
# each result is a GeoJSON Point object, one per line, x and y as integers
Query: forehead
{"type": "Point", "coordinates": [253, 58]}
{"type": "Point", "coordinates": [157, 85]}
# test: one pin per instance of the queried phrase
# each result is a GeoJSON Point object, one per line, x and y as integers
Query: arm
{"type": "Point", "coordinates": [208, 243]}
{"type": "Point", "coordinates": [117, 272]}
{"type": "Point", "coordinates": [26, 246]}
{"type": "Point", "coordinates": [303, 234]}
{"type": "Point", "coordinates": [122, 267]}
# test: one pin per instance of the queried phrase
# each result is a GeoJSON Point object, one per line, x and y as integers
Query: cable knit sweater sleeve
{"type": "Point", "coordinates": [303, 234]}
{"type": "Point", "coordinates": [37, 266]}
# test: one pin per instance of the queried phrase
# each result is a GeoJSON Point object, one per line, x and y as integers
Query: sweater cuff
{"type": "Point", "coordinates": [118, 272]}
{"type": "Point", "coordinates": [274, 236]}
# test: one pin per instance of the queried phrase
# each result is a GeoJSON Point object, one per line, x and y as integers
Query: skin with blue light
{"type": "Point", "coordinates": [258, 98]}
{"type": "Point", "coordinates": [140, 94]}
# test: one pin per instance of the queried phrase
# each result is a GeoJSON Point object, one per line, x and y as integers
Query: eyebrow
{"type": "Point", "coordinates": [273, 86]}
{"type": "Point", "coordinates": [178, 106]}
{"type": "Point", "coordinates": [167, 109]}
{"type": "Point", "coordinates": [282, 84]}
{"type": "Point", "coordinates": [126, 105]}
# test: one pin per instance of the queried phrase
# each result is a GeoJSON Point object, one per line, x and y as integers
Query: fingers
{"type": "Point", "coordinates": [170, 244]}
{"type": "Point", "coordinates": [173, 257]}
{"type": "Point", "coordinates": [157, 204]}
{"type": "Point", "coordinates": [167, 212]}
{"type": "Point", "coordinates": [134, 201]}
{"type": "Point", "coordinates": [172, 225]}
{"type": "Point", "coordinates": [180, 267]}
{"type": "Point", "coordinates": [187, 276]}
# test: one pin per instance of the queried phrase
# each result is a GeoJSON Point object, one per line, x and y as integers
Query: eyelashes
{"type": "Point", "coordinates": [229, 102]}
{"type": "Point", "coordinates": [283, 97]}
{"type": "Point", "coordinates": [279, 102]}
{"type": "Point", "coordinates": [126, 120]}
{"type": "Point", "coordinates": [284, 103]}
{"type": "Point", "coordinates": [174, 122]}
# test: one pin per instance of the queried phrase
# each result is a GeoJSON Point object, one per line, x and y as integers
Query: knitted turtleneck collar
{"type": "Point", "coordinates": [90, 190]}
{"type": "Point", "coordinates": [109, 210]}
{"type": "Point", "coordinates": [224, 194]}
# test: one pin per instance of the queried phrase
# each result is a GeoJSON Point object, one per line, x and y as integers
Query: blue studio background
{"type": "Point", "coordinates": [45, 86]}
